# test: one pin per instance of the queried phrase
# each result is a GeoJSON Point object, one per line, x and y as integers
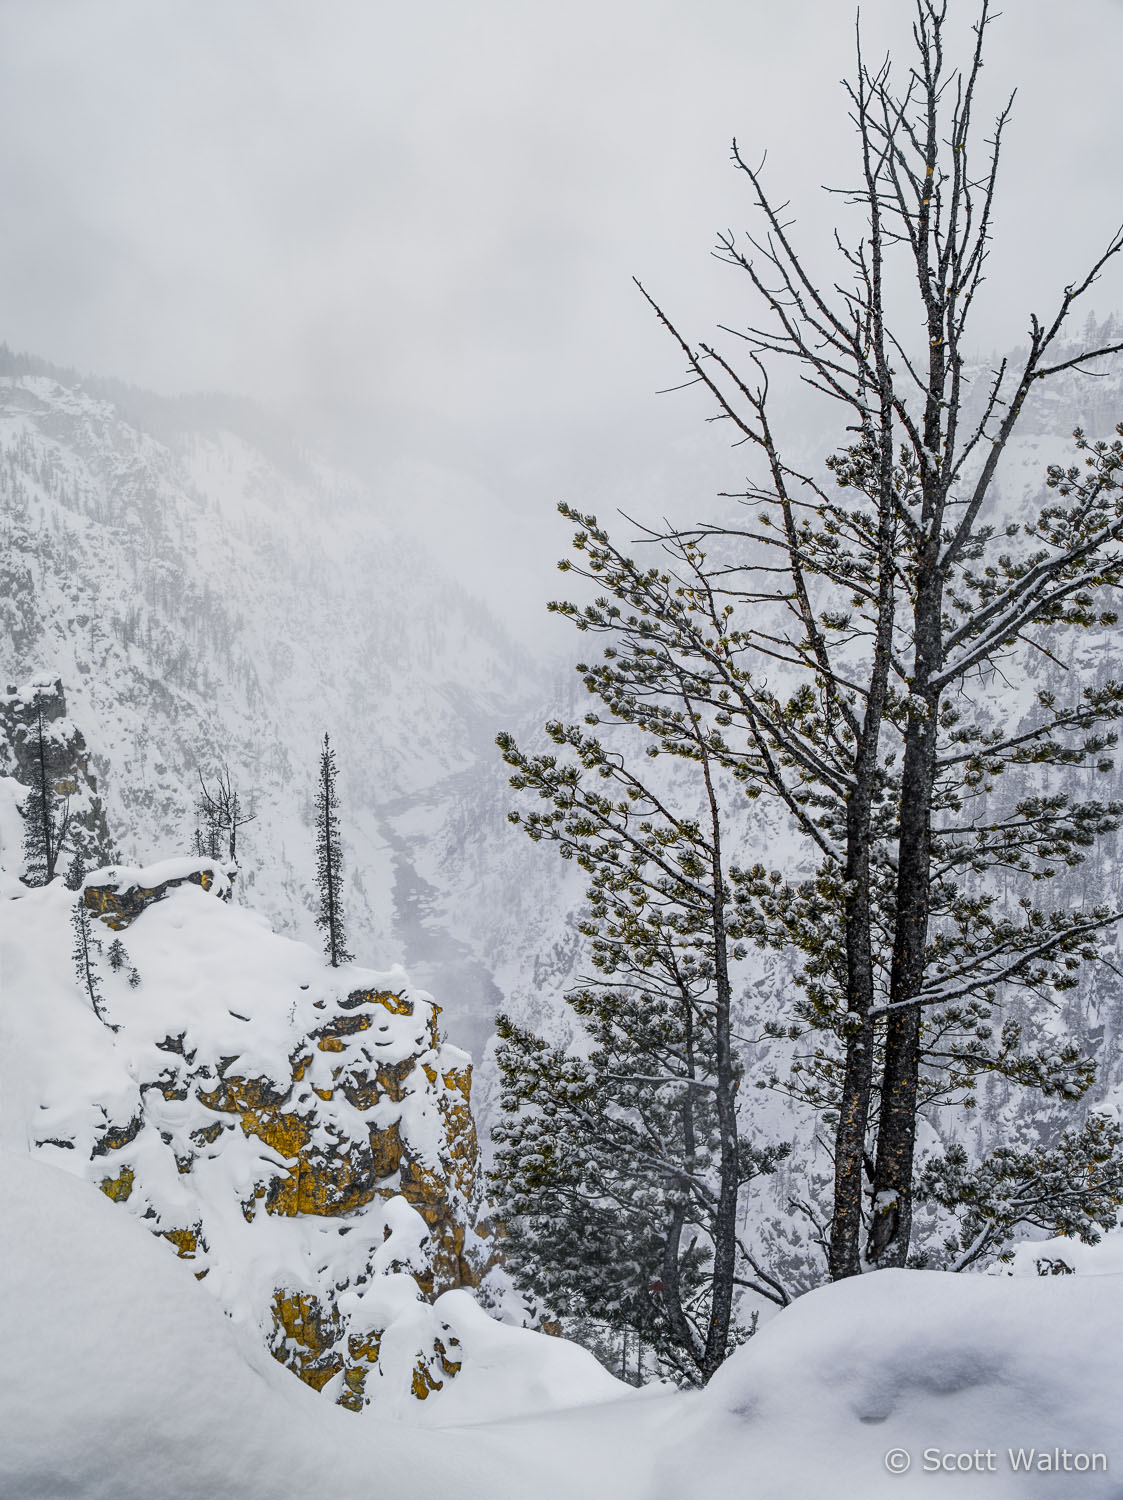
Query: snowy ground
{"type": "Point", "coordinates": [123, 1380]}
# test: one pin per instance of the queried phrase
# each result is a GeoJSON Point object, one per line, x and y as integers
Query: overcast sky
{"type": "Point", "coordinates": [416, 224]}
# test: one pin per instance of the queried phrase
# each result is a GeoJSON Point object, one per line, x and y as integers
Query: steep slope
{"type": "Point", "coordinates": [206, 602]}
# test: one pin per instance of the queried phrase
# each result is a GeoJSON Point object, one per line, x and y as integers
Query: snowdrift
{"type": "Point", "coordinates": [122, 1380]}
{"type": "Point", "coordinates": [300, 1136]}
{"type": "Point", "coordinates": [908, 1383]}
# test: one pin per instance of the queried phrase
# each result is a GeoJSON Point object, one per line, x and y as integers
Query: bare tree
{"type": "Point", "coordinates": [223, 813]}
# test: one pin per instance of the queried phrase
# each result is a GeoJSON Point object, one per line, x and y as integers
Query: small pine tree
{"type": "Point", "coordinates": [117, 955]}
{"type": "Point", "coordinates": [329, 866]}
{"type": "Point", "coordinates": [84, 953]}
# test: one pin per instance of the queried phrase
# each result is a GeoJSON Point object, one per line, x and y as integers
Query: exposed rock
{"type": "Point", "coordinates": [119, 896]}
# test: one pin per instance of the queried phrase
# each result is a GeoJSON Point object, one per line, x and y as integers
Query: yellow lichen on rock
{"type": "Point", "coordinates": [424, 1380]}
{"type": "Point", "coordinates": [354, 1383]}
{"type": "Point", "coordinates": [118, 1188]}
{"type": "Point", "coordinates": [186, 1241]}
{"type": "Point", "coordinates": [304, 1338]}
{"type": "Point", "coordinates": [385, 1150]}
{"type": "Point", "coordinates": [396, 1003]}
{"type": "Point", "coordinates": [118, 903]}
{"type": "Point", "coordinates": [448, 1364]}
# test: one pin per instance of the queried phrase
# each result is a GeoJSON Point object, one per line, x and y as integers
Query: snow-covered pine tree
{"type": "Point", "coordinates": [329, 863]}
{"type": "Point", "coordinates": [84, 953]}
{"type": "Point", "coordinates": [1071, 1188]}
{"type": "Point", "coordinates": [621, 1175]}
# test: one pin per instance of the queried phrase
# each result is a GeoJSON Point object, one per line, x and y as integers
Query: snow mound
{"type": "Point", "coordinates": [300, 1136]}
{"type": "Point", "coordinates": [945, 1369]}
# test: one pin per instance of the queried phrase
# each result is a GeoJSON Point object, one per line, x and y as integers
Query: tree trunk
{"type": "Point", "coordinates": [896, 1137]}
{"type": "Point", "coordinates": [725, 1218]}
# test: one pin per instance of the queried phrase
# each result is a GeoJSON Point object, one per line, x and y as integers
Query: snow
{"type": "Point", "coordinates": [506, 1371]}
{"type": "Point", "coordinates": [913, 1361]}
{"type": "Point", "coordinates": [1105, 1258]}
{"type": "Point", "coordinates": [122, 1380]}
{"type": "Point", "coordinates": [148, 877]}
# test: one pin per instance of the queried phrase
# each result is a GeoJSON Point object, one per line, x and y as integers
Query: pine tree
{"type": "Point", "coordinates": [836, 633]}
{"type": "Point", "coordinates": [622, 1174]}
{"type": "Point", "coordinates": [329, 864]}
{"type": "Point", "coordinates": [1072, 1188]}
{"type": "Point", "coordinates": [84, 953]}
{"type": "Point", "coordinates": [46, 817]}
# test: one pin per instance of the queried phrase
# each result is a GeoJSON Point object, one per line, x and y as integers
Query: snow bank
{"type": "Point", "coordinates": [122, 1380]}
{"type": "Point", "coordinates": [960, 1373]}
{"type": "Point", "coordinates": [1062, 1256]}
{"type": "Point", "coordinates": [504, 1371]}
{"type": "Point", "coordinates": [148, 877]}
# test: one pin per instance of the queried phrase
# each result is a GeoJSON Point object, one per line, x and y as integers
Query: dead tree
{"type": "Point", "coordinates": [222, 813]}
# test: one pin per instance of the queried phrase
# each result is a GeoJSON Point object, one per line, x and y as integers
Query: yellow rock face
{"type": "Point", "coordinates": [304, 1336]}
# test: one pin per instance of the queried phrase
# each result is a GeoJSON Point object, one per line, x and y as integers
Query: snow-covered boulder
{"type": "Point", "coordinates": [118, 894]}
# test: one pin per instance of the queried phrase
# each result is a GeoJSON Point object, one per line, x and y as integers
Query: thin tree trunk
{"type": "Point", "coordinates": [725, 1219]}
{"type": "Point", "coordinates": [50, 850]}
{"type": "Point", "coordinates": [672, 1283]}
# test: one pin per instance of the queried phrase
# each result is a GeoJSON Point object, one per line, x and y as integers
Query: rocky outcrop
{"type": "Point", "coordinates": [118, 900]}
{"type": "Point", "coordinates": [302, 1136]}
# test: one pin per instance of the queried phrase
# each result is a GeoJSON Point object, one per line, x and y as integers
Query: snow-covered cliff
{"type": "Point", "coordinates": [301, 1136]}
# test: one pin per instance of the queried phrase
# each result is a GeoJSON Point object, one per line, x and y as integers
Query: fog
{"type": "Point", "coordinates": [414, 228]}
